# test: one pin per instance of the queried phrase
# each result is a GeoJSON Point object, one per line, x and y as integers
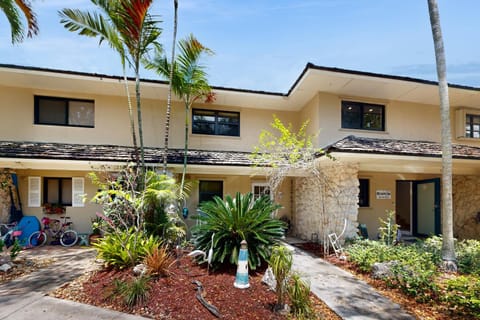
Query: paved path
{"type": "Point", "coordinates": [350, 298]}
{"type": "Point", "coordinates": [26, 297]}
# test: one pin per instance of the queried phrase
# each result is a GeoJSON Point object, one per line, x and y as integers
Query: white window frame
{"type": "Point", "coordinates": [260, 184]}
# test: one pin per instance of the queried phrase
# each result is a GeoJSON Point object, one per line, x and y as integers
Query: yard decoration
{"type": "Point", "coordinates": [198, 253]}
{"type": "Point", "coordinates": [241, 278]}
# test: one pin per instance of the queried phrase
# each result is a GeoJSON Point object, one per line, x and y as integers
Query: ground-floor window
{"type": "Point", "coordinates": [260, 189]}
{"type": "Point", "coordinates": [364, 193]}
{"type": "Point", "coordinates": [208, 189]}
{"type": "Point", "coordinates": [57, 191]}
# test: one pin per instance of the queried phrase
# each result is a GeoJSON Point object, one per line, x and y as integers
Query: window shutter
{"type": "Point", "coordinates": [77, 192]}
{"type": "Point", "coordinates": [34, 191]}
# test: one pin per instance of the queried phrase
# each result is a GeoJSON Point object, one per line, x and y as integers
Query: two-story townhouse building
{"type": "Point", "coordinates": [383, 131]}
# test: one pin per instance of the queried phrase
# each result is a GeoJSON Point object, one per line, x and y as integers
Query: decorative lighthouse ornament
{"type": "Point", "coordinates": [241, 279]}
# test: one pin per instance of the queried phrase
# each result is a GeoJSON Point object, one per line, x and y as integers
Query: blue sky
{"type": "Point", "coordinates": [265, 44]}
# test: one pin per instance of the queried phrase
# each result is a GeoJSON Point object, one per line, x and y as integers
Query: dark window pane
{"type": "Point", "coordinates": [358, 115]}
{"type": "Point", "coordinates": [65, 112]}
{"type": "Point", "coordinates": [52, 111]}
{"type": "Point", "coordinates": [215, 122]}
{"type": "Point", "coordinates": [363, 195]}
{"type": "Point", "coordinates": [351, 116]}
{"type": "Point", "coordinates": [58, 191]}
{"type": "Point", "coordinates": [209, 189]}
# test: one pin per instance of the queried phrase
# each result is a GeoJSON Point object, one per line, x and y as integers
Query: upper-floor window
{"type": "Point", "coordinates": [366, 116]}
{"type": "Point", "coordinates": [472, 126]}
{"type": "Point", "coordinates": [64, 112]}
{"type": "Point", "coordinates": [215, 122]}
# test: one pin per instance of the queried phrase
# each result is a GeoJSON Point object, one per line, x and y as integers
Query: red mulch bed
{"type": "Point", "coordinates": [173, 297]}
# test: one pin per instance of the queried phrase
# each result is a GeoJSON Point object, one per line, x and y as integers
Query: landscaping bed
{"type": "Point", "coordinates": [173, 297]}
{"type": "Point", "coordinates": [432, 308]}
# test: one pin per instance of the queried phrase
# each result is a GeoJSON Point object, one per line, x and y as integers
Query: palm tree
{"type": "Point", "coordinates": [189, 81]}
{"type": "Point", "coordinates": [11, 10]}
{"type": "Point", "coordinates": [169, 97]}
{"type": "Point", "coordinates": [448, 249]}
{"type": "Point", "coordinates": [131, 30]}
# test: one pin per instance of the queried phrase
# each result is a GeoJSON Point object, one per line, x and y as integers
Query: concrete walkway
{"type": "Point", "coordinates": [26, 297]}
{"type": "Point", "coordinates": [350, 298]}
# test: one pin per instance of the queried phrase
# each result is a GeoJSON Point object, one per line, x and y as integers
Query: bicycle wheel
{"type": "Point", "coordinates": [68, 238]}
{"type": "Point", "coordinates": [38, 238]}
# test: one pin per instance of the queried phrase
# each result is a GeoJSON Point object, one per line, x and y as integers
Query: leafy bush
{"type": "Point", "coordinates": [388, 230]}
{"type": "Point", "coordinates": [133, 292]}
{"type": "Point", "coordinates": [463, 294]}
{"type": "Point", "coordinates": [234, 220]}
{"type": "Point", "coordinates": [299, 295]}
{"type": "Point", "coordinates": [413, 273]}
{"type": "Point", "coordinates": [125, 248]}
{"type": "Point", "coordinates": [159, 261]}
{"type": "Point", "coordinates": [468, 257]}
{"type": "Point", "coordinates": [281, 262]}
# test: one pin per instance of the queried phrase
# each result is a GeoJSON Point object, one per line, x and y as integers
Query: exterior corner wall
{"type": "Point", "coordinates": [466, 207]}
{"type": "Point", "coordinates": [323, 202]}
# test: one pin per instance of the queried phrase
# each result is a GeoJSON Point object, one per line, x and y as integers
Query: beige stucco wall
{"type": "Point", "coordinates": [112, 125]}
{"type": "Point", "coordinates": [402, 120]}
{"type": "Point", "coordinates": [466, 207]}
{"type": "Point", "coordinates": [322, 203]}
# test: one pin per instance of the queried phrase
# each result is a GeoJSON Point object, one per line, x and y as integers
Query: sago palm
{"type": "Point", "coordinates": [14, 9]}
{"type": "Point", "coordinates": [234, 220]}
{"type": "Point", "coordinates": [129, 29]}
{"type": "Point", "coordinates": [189, 81]}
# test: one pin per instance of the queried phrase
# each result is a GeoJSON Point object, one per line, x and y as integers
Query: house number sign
{"type": "Point", "coordinates": [384, 194]}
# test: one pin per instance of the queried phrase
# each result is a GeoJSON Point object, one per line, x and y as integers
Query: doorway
{"type": "Point", "coordinates": [417, 206]}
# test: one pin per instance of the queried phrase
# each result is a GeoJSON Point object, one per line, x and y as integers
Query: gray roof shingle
{"type": "Point", "coordinates": [353, 144]}
{"type": "Point", "coordinates": [62, 151]}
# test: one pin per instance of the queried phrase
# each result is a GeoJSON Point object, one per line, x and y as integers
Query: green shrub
{"type": "Point", "coordinates": [468, 257]}
{"type": "Point", "coordinates": [299, 294]}
{"type": "Point", "coordinates": [123, 249]}
{"type": "Point", "coordinates": [281, 262]}
{"type": "Point", "coordinates": [463, 294]}
{"type": "Point", "coordinates": [364, 253]}
{"type": "Point", "coordinates": [16, 248]}
{"type": "Point", "coordinates": [388, 230]}
{"type": "Point", "coordinates": [234, 220]}
{"type": "Point", "coordinates": [133, 292]}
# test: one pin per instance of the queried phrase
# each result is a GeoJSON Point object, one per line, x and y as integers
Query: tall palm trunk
{"type": "Point", "coordinates": [448, 249]}
{"type": "Point", "coordinates": [132, 121]}
{"type": "Point", "coordinates": [185, 151]}
{"type": "Point", "coordinates": [139, 115]}
{"type": "Point", "coordinates": [169, 98]}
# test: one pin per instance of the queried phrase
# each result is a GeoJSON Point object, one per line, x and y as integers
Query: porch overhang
{"type": "Point", "coordinates": [403, 156]}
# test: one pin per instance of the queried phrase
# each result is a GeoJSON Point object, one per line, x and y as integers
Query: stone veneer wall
{"type": "Point", "coordinates": [322, 204]}
{"type": "Point", "coordinates": [5, 182]}
{"type": "Point", "coordinates": [466, 207]}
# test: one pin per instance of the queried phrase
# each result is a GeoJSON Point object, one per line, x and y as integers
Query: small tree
{"type": "Point", "coordinates": [281, 262]}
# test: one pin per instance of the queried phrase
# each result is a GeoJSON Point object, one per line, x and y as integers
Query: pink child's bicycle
{"type": "Point", "coordinates": [55, 230]}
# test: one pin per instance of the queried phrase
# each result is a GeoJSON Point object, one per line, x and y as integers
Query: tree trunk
{"type": "Point", "coordinates": [169, 98]}
{"type": "Point", "coordinates": [185, 151]}
{"type": "Point", "coordinates": [132, 121]}
{"type": "Point", "coordinates": [139, 115]}
{"type": "Point", "coordinates": [448, 249]}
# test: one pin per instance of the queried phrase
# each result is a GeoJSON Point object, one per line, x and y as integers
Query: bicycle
{"type": "Point", "coordinates": [55, 229]}
{"type": "Point", "coordinates": [8, 233]}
